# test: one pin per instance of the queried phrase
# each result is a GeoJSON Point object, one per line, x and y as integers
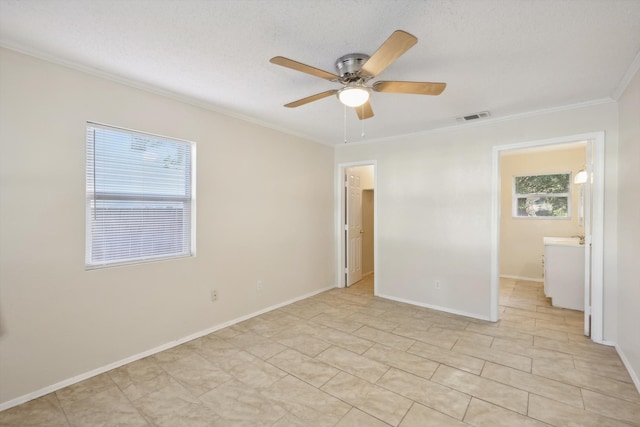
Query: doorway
{"type": "Point", "coordinates": [356, 224]}
{"type": "Point", "coordinates": [593, 224]}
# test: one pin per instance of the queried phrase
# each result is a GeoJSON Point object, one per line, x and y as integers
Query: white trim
{"type": "Point", "coordinates": [528, 279]}
{"type": "Point", "coordinates": [437, 307]}
{"type": "Point", "coordinates": [211, 107]}
{"type": "Point", "coordinates": [633, 374]}
{"type": "Point", "coordinates": [86, 375]}
{"type": "Point", "coordinates": [597, 239]}
{"type": "Point", "coordinates": [490, 121]}
{"type": "Point", "coordinates": [156, 90]}
{"type": "Point", "coordinates": [597, 268]}
{"type": "Point", "coordinates": [339, 220]}
{"type": "Point", "coordinates": [627, 77]}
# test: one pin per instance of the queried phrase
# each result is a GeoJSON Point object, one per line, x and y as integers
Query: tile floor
{"type": "Point", "coordinates": [346, 358]}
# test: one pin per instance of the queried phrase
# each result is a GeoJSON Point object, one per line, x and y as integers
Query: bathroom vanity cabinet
{"type": "Point", "coordinates": [564, 272]}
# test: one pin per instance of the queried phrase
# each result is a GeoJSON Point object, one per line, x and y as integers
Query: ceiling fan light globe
{"type": "Point", "coordinates": [353, 96]}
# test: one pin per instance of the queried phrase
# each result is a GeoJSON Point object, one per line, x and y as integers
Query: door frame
{"type": "Point", "coordinates": [597, 223]}
{"type": "Point", "coordinates": [339, 219]}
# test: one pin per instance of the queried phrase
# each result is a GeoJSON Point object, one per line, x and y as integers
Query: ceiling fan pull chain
{"type": "Point", "coordinates": [362, 121]}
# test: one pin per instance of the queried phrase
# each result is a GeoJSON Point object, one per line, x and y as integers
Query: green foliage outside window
{"type": "Point", "coordinates": [542, 195]}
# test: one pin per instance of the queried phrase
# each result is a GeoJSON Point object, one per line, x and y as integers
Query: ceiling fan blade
{"type": "Point", "coordinates": [299, 66]}
{"type": "Point", "coordinates": [398, 43]}
{"type": "Point", "coordinates": [311, 98]}
{"type": "Point", "coordinates": [417, 88]}
{"type": "Point", "coordinates": [364, 111]}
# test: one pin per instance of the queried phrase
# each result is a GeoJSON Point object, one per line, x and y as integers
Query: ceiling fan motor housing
{"type": "Point", "coordinates": [349, 66]}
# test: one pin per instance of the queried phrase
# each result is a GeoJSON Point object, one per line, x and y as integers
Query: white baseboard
{"type": "Point", "coordinates": [69, 381]}
{"type": "Point", "coordinates": [627, 364]}
{"type": "Point", "coordinates": [528, 279]}
{"type": "Point", "coordinates": [437, 307]}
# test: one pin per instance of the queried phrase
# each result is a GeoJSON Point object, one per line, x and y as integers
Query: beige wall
{"type": "Point", "coordinates": [521, 245]}
{"type": "Point", "coordinates": [434, 206]}
{"type": "Point", "coordinates": [264, 211]}
{"type": "Point", "coordinates": [628, 298]}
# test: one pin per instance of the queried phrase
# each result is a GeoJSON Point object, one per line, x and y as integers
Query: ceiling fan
{"type": "Point", "coordinates": [356, 69]}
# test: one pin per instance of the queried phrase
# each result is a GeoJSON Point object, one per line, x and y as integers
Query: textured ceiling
{"type": "Point", "coordinates": [509, 57]}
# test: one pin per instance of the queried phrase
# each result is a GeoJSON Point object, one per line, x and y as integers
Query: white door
{"type": "Point", "coordinates": [353, 225]}
{"type": "Point", "coordinates": [587, 210]}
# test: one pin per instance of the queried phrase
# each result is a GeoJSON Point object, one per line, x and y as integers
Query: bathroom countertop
{"type": "Point", "coordinates": [563, 241]}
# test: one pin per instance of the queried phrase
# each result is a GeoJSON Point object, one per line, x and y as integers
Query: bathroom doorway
{"type": "Point", "coordinates": [592, 222]}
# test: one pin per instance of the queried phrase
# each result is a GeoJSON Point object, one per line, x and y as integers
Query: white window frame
{"type": "Point", "coordinates": [515, 196]}
{"type": "Point", "coordinates": [188, 232]}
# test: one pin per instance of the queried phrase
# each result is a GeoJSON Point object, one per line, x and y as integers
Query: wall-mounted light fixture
{"type": "Point", "coordinates": [581, 177]}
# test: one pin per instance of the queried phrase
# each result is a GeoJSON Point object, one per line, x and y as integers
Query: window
{"type": "Point", "coordinates": [545, 196]}
{"type": "Point", "coordinates": [140, 197]}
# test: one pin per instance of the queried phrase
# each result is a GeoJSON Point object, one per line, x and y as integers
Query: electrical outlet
{"type": "Point", "coordinates": [214, 295]}
{"type": "Point", "coordinates": [437, 284]}
{"type": "Point", "coordinates": [259, 285]}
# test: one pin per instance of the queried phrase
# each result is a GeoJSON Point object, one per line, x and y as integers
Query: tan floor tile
{"type": "Point", "coordinates": [251, 371]}
{"type": "Point", "coordinates": [564, 312]}
{"type": "Point", "coordinates": [228, 332]}
{"type": "Point", "coordinates": [519, 323]}
{"type": "Point", "coordinates": [421, 416]}
{"type": "Point", "coordinates": [612, 407]}
{"type": "Point", "coordinates": [357, 418]}
{"type": "Point", "coordinates": [586, 380]}
{"type": "Point", "coordinates": [306, 402]}
{"type": "Point", "coordinates": [257, 345]}
{"type": "Point", "coordinates": [439, 337]}
{"type": "Point", "coordinates": [436, 396]}
{"type": "Point", "coordinates": [109, 407]}
{"type": "Point", "coordinates": [454, 359]}
{"type": "Point", "coordinates": [344, 340]}
{"type": "Point", "coordinates": [481, 413]}
{"type": "Point", "coordinates": [310, 370]}
{"type": "Point", "coordinates": [385, 338]}
{"type": "Point", "coordinates": [482, 388]}
{"type": "Point", "coordinates": [243, 405]}
{"type": "Point", "coordinates": [524, 381]}
{"type": "Point", "coordinates": [353, 363]}
{"type": "Point", "coordinates": [562, 415]}
{"type": "Point", "coordinates": [537, 314]}
{"type": "Point", "coordinates": [448, 321]}
{"type": "Point", "coordinates": [267, 370]}
{"type": "Point", "coordinates": [535, 353]}
{"type": "Point", "coordinates": [212, 348]}
{"type": "Point", "coordinates": [582, 348]}
{"type": "Point", "coordinates": [375, 322]}
{"type": "Point", "coordinates": [522, 363]}
{"type": "Point", "coordinates": [613, 369]}
{"type": "Point", "coordinates": [402, 360]}
{"type": "Point", "coordinates": [499, 332]}
{"type": "Point", "coordinates": [44, 411]}
{"type": "Point", "coordinates": [290, 420]}
{"type": "Point", "coordinates": [196, 373]}
{"type": "Point", "coordinates": [140, 378]}
{"type": "Point", "coordinates": [85, 389]}
{"type": "Point", "coordinates": [549, 333]}
{"type": "Point", "coordinates": [262, 326]}
{"type": "Point", "coordinates": [307, 309]}
{"type": "Point", "coordinates": [372, 399]}
{"type": "Point", "coordinates": [573, 328]}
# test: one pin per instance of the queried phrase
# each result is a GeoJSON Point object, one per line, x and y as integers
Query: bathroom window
{"type": "Point", "coordinates": [542, 196]}
{"type": "Point", "coordinates": [140, 198]}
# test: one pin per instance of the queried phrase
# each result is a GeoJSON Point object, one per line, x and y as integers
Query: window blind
{"type": "Point", "coordinates": [140, 204]}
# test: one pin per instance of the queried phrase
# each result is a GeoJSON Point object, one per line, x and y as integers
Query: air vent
{"type": "Point", "coordinates": [474, 116]}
